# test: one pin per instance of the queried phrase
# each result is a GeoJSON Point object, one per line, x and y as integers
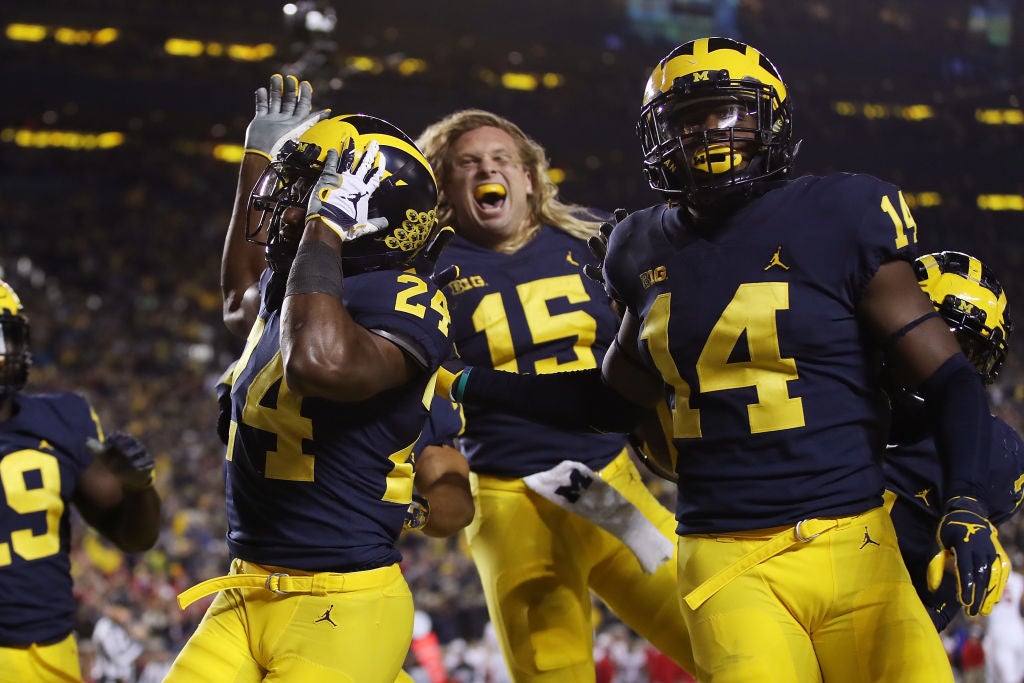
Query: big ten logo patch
{"type": "Point", "coordinates": [653, 276]}
{"type": "Point", "coordinates": [466, 283]}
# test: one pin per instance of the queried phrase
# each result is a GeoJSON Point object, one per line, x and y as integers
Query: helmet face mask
{"type": "Point", "coordinates": [405, 202]}
{"type": "Point", "coordinates": [15, 358]}
{"type": "Point", "coordinates": [285, 184]}
{"type": "Point", "coordinates": [714, 120]}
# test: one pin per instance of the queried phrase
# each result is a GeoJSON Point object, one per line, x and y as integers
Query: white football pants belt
{"type": "Point", "coordinates": [575, 487]}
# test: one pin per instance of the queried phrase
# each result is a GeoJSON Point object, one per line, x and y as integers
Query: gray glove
{"type": "Point", "coordinates": [282, 113]}
{"type": "Point", "coordinates": [342, 200]}
{"type": "Point", "coordinates": [126, 457]}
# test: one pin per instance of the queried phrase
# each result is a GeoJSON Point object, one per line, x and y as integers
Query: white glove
{"type": "Point", "coordinates": [342, 200]}
{"type": "Point", "coordinates": [281, 115]}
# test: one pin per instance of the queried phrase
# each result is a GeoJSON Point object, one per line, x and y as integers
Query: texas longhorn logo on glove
{"type": "Point", "coordinates": [342, 200]}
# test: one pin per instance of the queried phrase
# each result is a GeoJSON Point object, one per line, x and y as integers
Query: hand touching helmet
{"type": "Point", "coordinates": [341, 197]}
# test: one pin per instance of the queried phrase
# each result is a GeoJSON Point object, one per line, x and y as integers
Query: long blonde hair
{"type": "Point", "coordinates": [545, 207]}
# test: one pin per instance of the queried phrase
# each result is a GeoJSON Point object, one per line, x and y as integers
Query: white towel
{"type": "Point", "coordinates": [577, 488]}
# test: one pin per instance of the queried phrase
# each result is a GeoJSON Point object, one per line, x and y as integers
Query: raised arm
{"type": "Point", "coordinates": [283, 112]}
{"type": "Point", "coordinates": [325, 352]}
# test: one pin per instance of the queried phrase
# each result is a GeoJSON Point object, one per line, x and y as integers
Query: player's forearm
{"type": "Point", "coordinates": [960, 418]}
{"type": "Point", "coordinates": [577, 400]}
{"type": "Point", "coordinates": [134, 525]}
{"type": "Point", "coordinates": [241, 261]}
{"type": "Point", "coordinates": [324, 355]}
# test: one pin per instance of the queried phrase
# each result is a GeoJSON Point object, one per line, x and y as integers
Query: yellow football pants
{"type": "Point", "coordinates": [345, 628]}
{"type": "Point", "coordinates": [838, 608]}
{"type": "Point", "coordinates": [538, 564]}
{"type": "Point", "coordinates": [53, 663]}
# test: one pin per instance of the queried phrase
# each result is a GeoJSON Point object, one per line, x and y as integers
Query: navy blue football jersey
{"type": "Point", "coordinates": [322, 485]}
{"type": "Point", "coordinates": [531, 312]}
{"type": "Point", "coordinates": [42, 456]}
{"type": "Point", "coordinates": [444, 425]}
{"type": "Point", "coordinates": [754, 327]}
{"type": "Point", "coordinates": [914, 471]}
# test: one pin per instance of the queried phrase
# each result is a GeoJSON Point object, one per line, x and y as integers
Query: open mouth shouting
{"type": "Point", "coordinates": [490, 197]}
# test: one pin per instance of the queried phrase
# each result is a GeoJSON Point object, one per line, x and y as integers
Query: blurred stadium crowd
{"type": "Point", "coordinates": [116, 252]}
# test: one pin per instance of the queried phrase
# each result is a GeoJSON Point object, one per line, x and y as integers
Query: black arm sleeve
{"type": "Point", "coordinates": [959, 415]}
{"type": "Point", "coordinates": [576, 401]}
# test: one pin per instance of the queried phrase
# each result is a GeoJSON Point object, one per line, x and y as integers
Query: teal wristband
{"type": "Point", "coordinates": [459, 388]}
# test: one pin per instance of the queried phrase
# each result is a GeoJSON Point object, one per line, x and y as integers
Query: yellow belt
{"type": "Point", "coordinates": [804, 531]}
{"type": "Point", "coordinates": [249, 575]}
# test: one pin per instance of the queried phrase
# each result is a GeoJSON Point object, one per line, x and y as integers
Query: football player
{"type": "Point", "coordinates": [583, 519]}
{"type": "Point", "coordinates": [763, 303]}
{"type": "Point", "coordinates": [442, 503]}
{"type": "Point", "coordinates": [53, 455]}
{"type": "Point", "coordinates": [973, 303]}
{"type": "Point", "coordinates": [328, 397]}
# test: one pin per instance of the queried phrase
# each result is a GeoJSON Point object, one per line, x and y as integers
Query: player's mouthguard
{"type": "Point", "coordinates": [489, 191]}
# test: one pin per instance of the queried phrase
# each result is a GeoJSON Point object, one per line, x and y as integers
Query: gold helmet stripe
{"type": "Point", "coordinates": [964, 287]}
{"type": "Point", "coordinates": [335, 133]}
{"type": "Point", "coordinates": [9, 301]}
{"type": "Point", "coordinates": [974, 269]}
{"type": "Point", "coordinates": [398, 143]}
{"type": "Point", "coordinates": [702, 61]}
{"type": "Point", "coordinates": [329, 134]}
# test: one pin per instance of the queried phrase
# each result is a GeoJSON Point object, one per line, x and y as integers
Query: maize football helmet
{"type": "Point", "coordinates": [14, 342]}
{"type": "Point", "coordinates": [969, 297]}
{"type": "Point", "coordinates": [405, 203]}
{"type": "Point", "coordinates": [716, 117]}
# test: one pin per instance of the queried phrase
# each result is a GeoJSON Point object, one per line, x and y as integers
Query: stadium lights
{"type": "Point", "coordinates": [999, 117]}
{"type": "Point", "coordinates": [229, 153]}
{"type": "Point", "coordinates": [880, 110]}
{"type": "Point", "coordinates": [365, 64]}
{"type": "Point", "coordinates": [31, 33]}
{"type": "Point", "coordinates": [923, 200]}
{"type": "Point", "coordinates": [66, 139]}
{"type": "Point", "coordinates": [411, 65]}
{"type": "Point", "coordinates": [1001, 202]}
{"type": "Point", "coordinates": [34, 33]}
{"type": "Point", "coordinates": [187, 47]}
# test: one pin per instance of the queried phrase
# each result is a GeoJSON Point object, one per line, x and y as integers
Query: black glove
{"type": "Point", "coordinates": [126, 457]}
{"type": "Point", "coordinates": [223, 412]}
{"type": "Point", "coordinates": [427, 259]}
{"type": "Point", "coordinates": [966, 535]}
{"type": "Point", "coordinates": [943, 604]}
{"type": "Point", "coordinates": [599, 246]}
{"type": "Point", "coordinates": [446, 277]}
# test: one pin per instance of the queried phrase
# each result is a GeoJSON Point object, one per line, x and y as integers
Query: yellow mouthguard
{"type": "Point", "coordinates": [717, 160]}
{"type": "Point", "coordinates": [490, 188]}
